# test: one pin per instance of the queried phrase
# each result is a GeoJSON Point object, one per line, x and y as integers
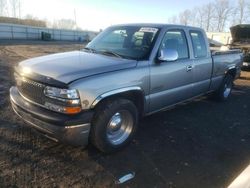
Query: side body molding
{"type": "Point", "coordinates": [114, 92]}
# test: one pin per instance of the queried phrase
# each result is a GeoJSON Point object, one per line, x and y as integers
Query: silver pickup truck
{"type": "Point", "coordinates": [128, 71]}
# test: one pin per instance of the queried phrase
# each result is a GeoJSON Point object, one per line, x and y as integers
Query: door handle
{"type": "Point", "coordinates": [189, 68]}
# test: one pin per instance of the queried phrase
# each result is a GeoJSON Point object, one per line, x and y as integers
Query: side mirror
{"type": "Point", "coordinates": [168, 55]}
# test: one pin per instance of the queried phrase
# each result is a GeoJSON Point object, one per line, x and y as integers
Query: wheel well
{"type": "Point", "coordinates": [232, 72]}
{"type": "Point", "coordinates": [136, 97]}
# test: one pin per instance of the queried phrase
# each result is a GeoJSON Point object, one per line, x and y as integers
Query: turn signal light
{"type": "Point", "coordinates": [72, 110]}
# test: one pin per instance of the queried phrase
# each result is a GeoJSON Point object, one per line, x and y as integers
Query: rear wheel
{"type": "Point", "coordinates": [114, 125]}
{"type": "Point", "coordinates": [224, 92]}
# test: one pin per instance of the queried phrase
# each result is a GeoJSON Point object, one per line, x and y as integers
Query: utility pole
{"type": "Point", "coordinates": [75, 18]}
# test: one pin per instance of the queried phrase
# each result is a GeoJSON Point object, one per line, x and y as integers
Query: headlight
{"type": "Point", "coordinates": [54, 92]}
{"type": "Point", "coordinates": [66, 100]}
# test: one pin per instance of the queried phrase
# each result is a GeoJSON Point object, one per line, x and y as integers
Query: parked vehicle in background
{"type": "Point", "coordinates": [216, 46]}
{"type": "Point", "coordinates": [126, 72]}
{"type": "Point", "coordinates": [241, 40]}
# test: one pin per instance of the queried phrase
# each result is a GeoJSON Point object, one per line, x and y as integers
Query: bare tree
{"type": "Point", "coordinates": [30, 17]}
{"type": "Point", "coordinates": [2, 7]}
{"type": "Point", "coordinates": [194, 17]}
{"type": "Point", "coordinates": [242, 8]}
{"type": "Point", "coordinates": [185, 17]}
{"type": "Point", "coordinates": [173, 20]}
{"type": "Point", "coordinates": [241, 13]}
{"type": "Point", "coordinates": [208, 14]}
{"type": "Point", "coordinates": [248, 11]}
{"type": "Point", "coordinates": [216, 15]}
{"type": "Point", "coordinates": [200, 17]}
{"type": "Point", "coordinates": [222, 12]}
{"type": "Point", "coordinates": [64, 24]}
{"type": "Point", "coordinates": [15, 7]}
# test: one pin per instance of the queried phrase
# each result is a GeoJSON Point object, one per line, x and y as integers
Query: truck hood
{"type": "Point", "coordinates": [69, 66]}
{"type": "Point", "coordinates": [240, 33]}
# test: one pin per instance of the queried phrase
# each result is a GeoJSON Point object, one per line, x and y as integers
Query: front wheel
{"type": "Point", "coordinates": [224, 92]}
{"type": "Point", "coordinates": [114, 125]}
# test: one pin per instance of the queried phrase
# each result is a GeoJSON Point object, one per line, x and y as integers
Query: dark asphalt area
{"type": "Point", "coordinates": [199, 144]}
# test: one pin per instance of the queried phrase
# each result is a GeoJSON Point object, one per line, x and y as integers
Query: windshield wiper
{"type": "Point", "coordinates": [107, 52]}
{"type": "Point", "coordinates": [89, 50]}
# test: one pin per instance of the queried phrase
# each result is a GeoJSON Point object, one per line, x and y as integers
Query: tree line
{"type": "Point", "coordinates": [10, 8]}
{"type": "Point", "coordinates": [215, 16]}
{"type": "Point", "coordinates": [10, 12]}
{"type": "Point", "coordinates": [30, 22]}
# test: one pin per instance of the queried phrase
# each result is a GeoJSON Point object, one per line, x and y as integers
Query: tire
{"type": "Point", "coordinates": [114, 125]}
{"type": "Point", "coordinates": [225, 89]}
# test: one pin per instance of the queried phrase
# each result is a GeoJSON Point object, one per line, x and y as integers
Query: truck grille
{"type": "Point", "coordinates": [30, 89]}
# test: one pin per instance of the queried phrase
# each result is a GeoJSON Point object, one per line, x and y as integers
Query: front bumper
{"type": "Point", "coordinates": [70, 129]}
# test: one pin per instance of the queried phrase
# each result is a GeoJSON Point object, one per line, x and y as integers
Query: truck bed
{"type": "Point", "coordinates": [221, 52]}
{"type": "Point", "coordinates": [224, 60]}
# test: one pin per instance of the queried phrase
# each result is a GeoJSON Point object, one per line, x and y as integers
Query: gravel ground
{"type": "Point", "coordinates": [198, 144]}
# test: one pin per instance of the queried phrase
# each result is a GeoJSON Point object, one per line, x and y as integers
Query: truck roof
{"type": "Point", "coordinates": [159, 25]}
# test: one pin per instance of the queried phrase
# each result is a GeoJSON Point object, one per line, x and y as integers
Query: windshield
{"type": "Point", "coordinates": [132, 42]}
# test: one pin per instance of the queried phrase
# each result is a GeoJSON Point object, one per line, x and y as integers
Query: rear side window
{"type": "Point", "coordinates": [176, 40]}
{"type": "Point", "coordinates": [199, 44]}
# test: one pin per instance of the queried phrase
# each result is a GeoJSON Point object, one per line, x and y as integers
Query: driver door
{"type": "Point", "coordinates": [172, 82]}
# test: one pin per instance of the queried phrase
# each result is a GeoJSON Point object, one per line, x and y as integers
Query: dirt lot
{"type": "Point", "coordinates": [202, 144]}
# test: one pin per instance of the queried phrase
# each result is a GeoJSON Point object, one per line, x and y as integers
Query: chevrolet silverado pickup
{"type": "Point", "coordinates": [99, 93]}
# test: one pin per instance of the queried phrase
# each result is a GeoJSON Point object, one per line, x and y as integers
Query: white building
{"type": "Point", "coordinates": [222, 37]}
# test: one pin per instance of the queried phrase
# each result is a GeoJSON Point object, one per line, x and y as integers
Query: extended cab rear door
{"type": "Point", "coordinates": [202, 62]}
{"type": "Point", "coordinates": [172, 82]}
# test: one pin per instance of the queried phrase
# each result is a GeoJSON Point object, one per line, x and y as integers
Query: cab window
{"type": "Point", "coordinates": [176, 40]}
{"type": "Point", "coordinates": [199, 44]}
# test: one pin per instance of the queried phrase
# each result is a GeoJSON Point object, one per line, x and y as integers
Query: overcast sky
{"type": "Point", "coordinates": [99, 14]}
